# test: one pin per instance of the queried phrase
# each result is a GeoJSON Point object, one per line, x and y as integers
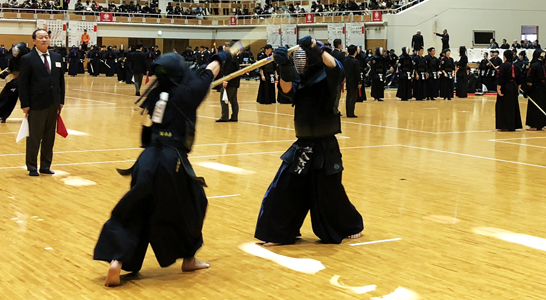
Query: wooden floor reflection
{"type": "Point", "coordinates": [427, 172]}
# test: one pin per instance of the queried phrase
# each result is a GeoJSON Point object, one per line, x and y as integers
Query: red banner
{"type": "Point", "coordinates": [309, 18]}
{"type": "Point", "coordinates": [95, 28]}
{"type": "Point", "coordinates": [377, 16]}
{"type": "Point", "coordinates": [233, 21]}
{"type": "Point", "coordinates": [106, 17]}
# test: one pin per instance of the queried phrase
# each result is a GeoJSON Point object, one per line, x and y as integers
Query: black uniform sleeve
{"type": "Point", "coordinates": [23, 82]}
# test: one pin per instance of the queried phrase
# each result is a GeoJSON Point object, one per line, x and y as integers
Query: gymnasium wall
{"type": "Point", "coordinates": [461, 18]}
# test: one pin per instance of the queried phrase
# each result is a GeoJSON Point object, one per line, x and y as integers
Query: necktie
{"type": "Point", "coordinates": [46, 64]}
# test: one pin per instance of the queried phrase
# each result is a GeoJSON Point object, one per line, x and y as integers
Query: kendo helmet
{"type": "Point", "coordinates": [309, 66]}
{"type": "Point", "coordinates": [170, 69]}
{"type": "Point", "coordinates": [19, 50]}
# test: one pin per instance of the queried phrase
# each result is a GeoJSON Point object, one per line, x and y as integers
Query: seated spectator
{"type": "Point", "coordinates": [258, 9]}
{"type": "Point", "coordinates": [536, 45]}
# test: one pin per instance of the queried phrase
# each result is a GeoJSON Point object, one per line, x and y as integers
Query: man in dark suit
{"type": "Point", "coordinates": [230, 87]}
{"type": "Point", "coordinates": [354, 81]}
{"type": "Point", "coordinates": [139, 65]}
{"type": "Point", "coordinates": [417, 41]}
{"type": "Point", "coordinates": [338, 54]}
{"type": "Point", "coordinates": [42, 91]}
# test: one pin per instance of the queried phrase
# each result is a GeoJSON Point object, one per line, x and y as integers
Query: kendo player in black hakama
{"type": "Point", "coordinates": [447, 65]}
{"type": "Point", "coordinates": [93, 64]}
{"type": "Point", "coordinates": [166, 204]}
{"type": "Point", "coordinates": [484, 72]}
{"type": "Point", "coordinates": [266, 90]}
{"type": "Point", "coordinates": [462, 82]}
{"type": "Point", "coordinates": [361, 57]}
{"type": "Point", "coordinates": [378, 71]}
{"type": "Point", "coordinates": [110, 62]}
{"type": "Point", "coordinates": [496, 61]}
{"type": "Point", "coordinates": [405, 73]}
{"type": "Point", "coordinates": [73, 61]}
{"type": "Point", "coordinates": [536, 90]}
{"type": "Point", "coordinates": [10, 92]}
{"type": "Point", "coordinates": [507, 114]}
{"type": "Point", "coordinates": [433, 65]}
{"type": "Point", "coordinates": [309, 178]}
{"type": "Point", "coordinates": [421, 73]}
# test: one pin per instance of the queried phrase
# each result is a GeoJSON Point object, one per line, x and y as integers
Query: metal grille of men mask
{"type": "Point", "coordinates": [300, 60]}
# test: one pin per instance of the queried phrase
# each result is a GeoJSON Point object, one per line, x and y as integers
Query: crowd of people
{"type": "Point", "coordinates": [33, 5]}
{"type": "Point", "coordinates": [129, 8]}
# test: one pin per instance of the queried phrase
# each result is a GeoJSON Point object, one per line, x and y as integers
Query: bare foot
{"type": "Point", "coordinates": [270, 244]}
{"type": "Point", "coordinates": [531, 129]}
{"type": "Point", "coordinates": [193, 264]}
{"type": "Point", "coordinates": [112, 279]}
{"type": "Point", "coordinates": [355, 236]}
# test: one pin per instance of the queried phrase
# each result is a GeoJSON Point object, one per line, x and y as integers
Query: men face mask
{"type": "Point", "coordinates": [15, 51]}
{"type": "Point", "coordinates": [300, 61]}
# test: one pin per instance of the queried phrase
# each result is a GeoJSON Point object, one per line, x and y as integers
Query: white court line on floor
{"type": "Point", "coordinates": [356, 289]}
{"type": "Point", "coordinates": [224, 168]}
{"type": "Point", "coordinates": [77, 133]}
{"type": "Point", "coordinates": [375, 242]}
{"type": "Point", "coordinates": [362, 124]}
{"type": "Point", "coordinates": [82, 99]}
{"type": "Point", "coordinates": [520, 144]}
{"type": "Point", "coordinates": [476, 156]}
{"type": "Point", "coordinates": [191, 157]}
{"type": "Point", "coordinates": [512, 237]}
{"type": "Point", "coordinates": [224, 196]}
{"type": "Point", "coordinates": [107, 93]}
{"type": "Point", "coordinates": [304, 265]}
{"type": "Point", "coordinates": [520, 138]}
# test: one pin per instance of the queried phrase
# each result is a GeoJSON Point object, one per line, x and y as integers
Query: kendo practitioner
{"type": "Point", "coordinates": [150, 57]}
{"type": "Point", "coordinates": [484, 71]}
{"type": "Point", "coordinates": [421, 76]}
{"type": "Point", "coordinates": [495, 62]}
{"type": "Point", "coordinates": [309, 178]}
{"type": "Point", "coordinates": [462, 82]}
{"type": "Point", "coordinates": [102, 64]}
{"type": "Point", "coordinates": [433, 65]}
{"type": "Point", "coordinates": [3, 60]}
{"type": "Point", "coordinates": [230, 87]}
{"type": "Point", "coordinates": [110, 62]}
{"type": "Point", "coordinates": [73, 61]}
{"type": "Point", "coordinates": [522, 62]}
{"type": "Point", "coordinates": [446, 69]}
{"type": "Point", "coordinates": [266, 91]}
{"type": "Point", "coordinates": [445, 39]}
{"type": "Point", "coordinates": [166, 204]}
{"type": "Point", "coordinates": [64, 54]}
{"type": "Point", "coordinates": [157, 52]}
{"type": "Point", "coordinates": [81, 54]}
{"type": "Point", "coordinates": [128, 66]}
{"type": "Point", "coordinates": [120, 70]}
{"type": "Point", "coordinates": [472, 81]}
{"type": "Point", "coordinates": [10, 92]}
{"type": "Point", "coordinates": [378, 70]}
{"type": "Point", "coordinates": [351, 67]}
{"type": "Point", "coordinates": [405, 73]}
{"type": "Point", "coordinates": [507, 114]}
{"type": "Point", "coordinates": [536, 90]}
{"type": "Point", "coordinates": [93, 57]}
{"type": "Point", "coordinates": [361, 57]}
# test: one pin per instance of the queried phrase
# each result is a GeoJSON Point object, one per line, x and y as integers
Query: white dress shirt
{"type": "Point", "coordinates": [42, 57]}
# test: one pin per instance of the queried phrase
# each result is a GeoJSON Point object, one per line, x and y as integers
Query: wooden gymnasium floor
{"type": "Point", "coordinates": [465, 204]}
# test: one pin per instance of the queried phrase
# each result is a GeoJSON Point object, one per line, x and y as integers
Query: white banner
{"type": "Point", "coordinates": [289, 35]}
{"type": "Point", "coordinates": [76, 31]}
{"type": "Point", "coordinates": [476, 54]}
{"type": "Point", "coordinates": [336, 31]}
{"type": "Point", "coordinates": [58, 31]}
{"type": "Point", "coordinates": [274, 35]}
{"type": "Point", "coordinates": [355, 34]}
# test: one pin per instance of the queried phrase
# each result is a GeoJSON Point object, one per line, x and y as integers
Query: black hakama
{"type": "Point", "coordinates": [507, 114]}
{"type": "Point", "coordinates": [462, 84]}
{"type": "Point", "coordinates": [378, 88]}
{"type": "Point", "coordinates": [266, 91]}
{"type": "Point", "coordinates": [110, 65]}
{"type": "Point", "coordinates": [317, 189]}
{"type": "Point", "coordinates": [362, 94]}
{"type": "Point", "coordinates": [432, 85]}
{"type": "Point", "coordinates": [8, 99]}
{"type": "Point", "coordinates": [446, 87]}
{"type": "Point", "coordinates": [535, 118]}
{"type": "Point", "coordinates": [74, 63]}
{"type": "Point", "coordinates": [121, 70]}
{"type": "Point", "coordinates": [420, 87]}
{"type": "Point", "coordinates": [165, 207]}
{"type": "Point", "coordinates": [404, 86]}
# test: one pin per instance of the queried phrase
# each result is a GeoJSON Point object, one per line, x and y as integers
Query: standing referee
{"type": "Point", "coordinates": [41, 90]}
